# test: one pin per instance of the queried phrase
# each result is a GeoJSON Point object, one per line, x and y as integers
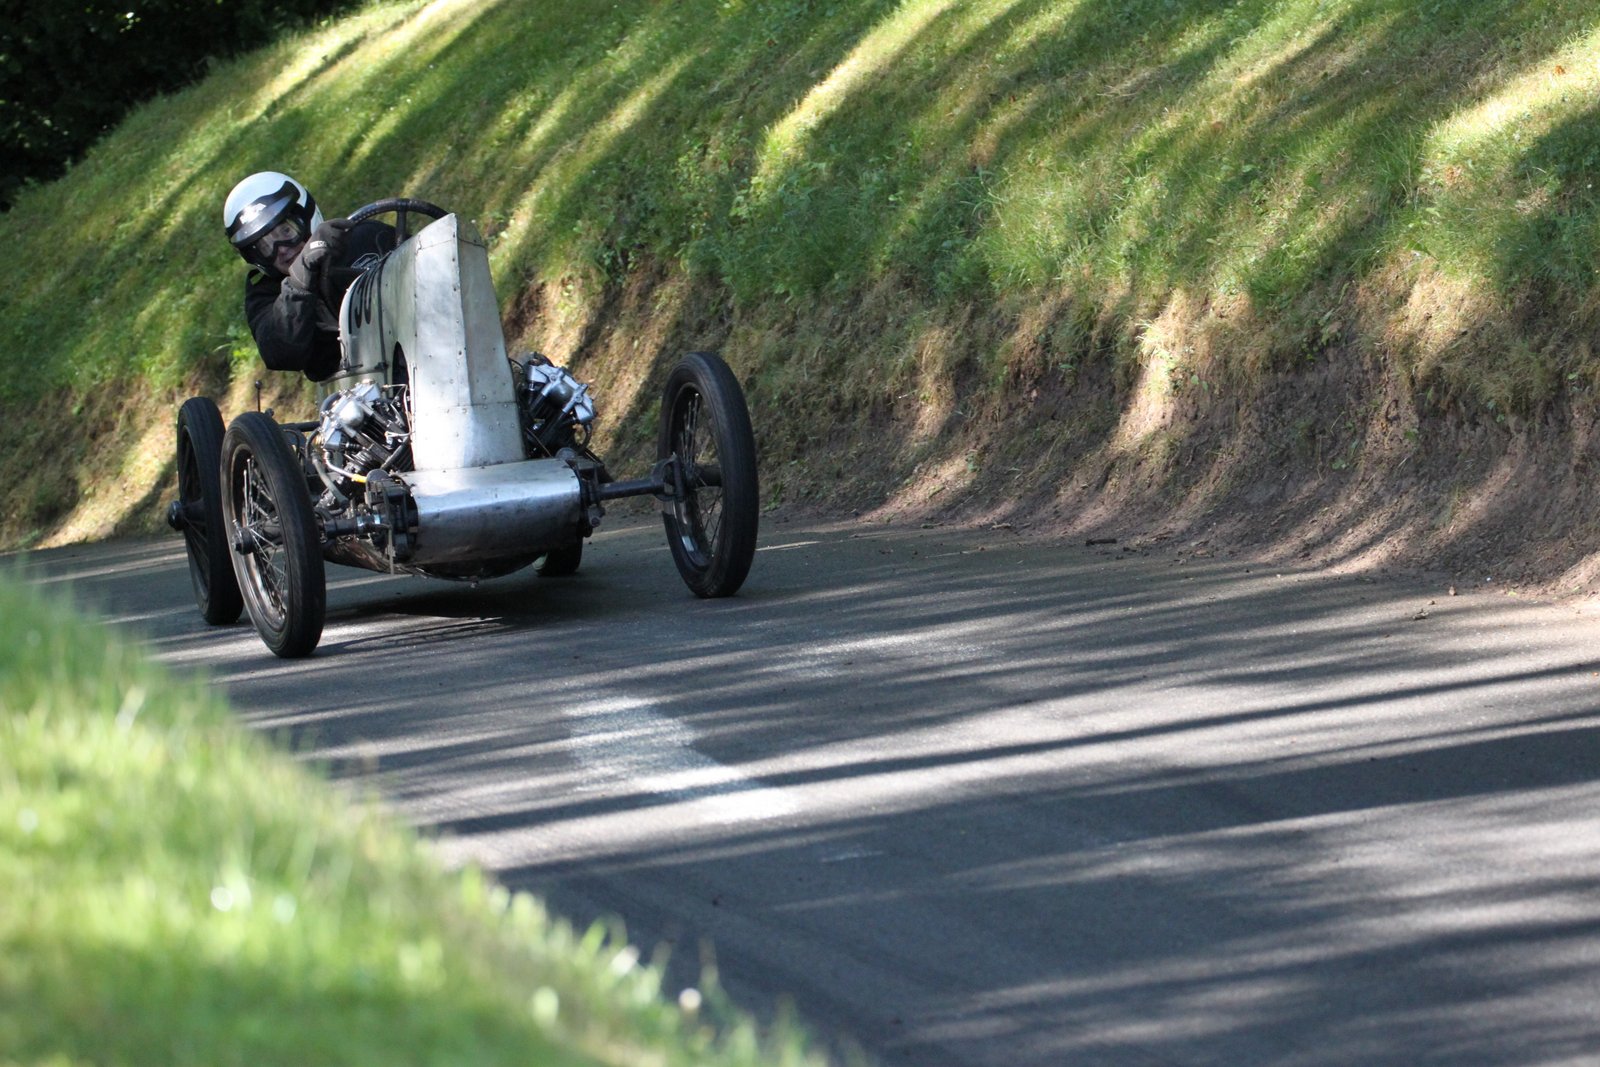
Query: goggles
{"type": "Point", "coordinates": [287, 232]}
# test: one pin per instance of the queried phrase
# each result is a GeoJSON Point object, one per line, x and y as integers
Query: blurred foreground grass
{"type": "Point", "coordinates": [174, 890]}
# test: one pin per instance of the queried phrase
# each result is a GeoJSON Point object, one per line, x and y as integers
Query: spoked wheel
{"type": "Point", "coordinates": [712, 511]}
{"type": "Point", "coordinates": [277, 552]}
{"type": "Point", "coordinates": [560, 562]}
{"type": "Point", "coordinates": [198, 512]}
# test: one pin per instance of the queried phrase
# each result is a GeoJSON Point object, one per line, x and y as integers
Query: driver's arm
{"type": "Point", "coordinates": [283, 318]}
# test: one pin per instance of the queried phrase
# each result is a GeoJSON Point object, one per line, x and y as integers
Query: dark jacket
{"type": "Point", "coordinates": [293, 328]}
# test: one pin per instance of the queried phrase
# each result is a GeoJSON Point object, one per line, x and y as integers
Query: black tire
{"type": "Point", "coordinates": [205, 534]}
{"type": "Point", "coordinates": [560, 562]}
{"type": "Point", "coordinates": [268, 509]}
{"type": "Point", "coordinates": [712, 514]}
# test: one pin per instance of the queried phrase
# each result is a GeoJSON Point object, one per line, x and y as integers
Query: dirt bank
{"type": "Point", "coordinates": [893, 409]}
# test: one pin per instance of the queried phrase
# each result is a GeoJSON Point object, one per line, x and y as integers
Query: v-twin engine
{"type": "Point", "coordinates": [362, 429]}
{"type": "Point", "coordinates": [557, 410]}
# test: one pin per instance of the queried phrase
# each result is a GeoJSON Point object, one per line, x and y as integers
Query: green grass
{"type": "Point", "coordinates": [1278, 180]}
{"type": "Point", "coordinates": [173, 890]}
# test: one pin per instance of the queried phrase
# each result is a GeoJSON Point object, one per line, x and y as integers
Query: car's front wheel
{"type": "Point", "coordinates": [276, 548]}
{"type": "Point", "coordinates": [712, 509]}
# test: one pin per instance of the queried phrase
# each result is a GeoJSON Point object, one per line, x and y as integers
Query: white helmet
{"type": "Point", "coordinates": [258, 204]}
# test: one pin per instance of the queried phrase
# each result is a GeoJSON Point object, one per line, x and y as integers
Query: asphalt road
{"type": "Point", "coordinates": [965, 799]}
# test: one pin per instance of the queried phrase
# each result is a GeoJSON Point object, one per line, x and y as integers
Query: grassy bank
{"type": "Point", "coordinates": [178, 892]}
{"type": "Point", "coordinates": [889, 214]}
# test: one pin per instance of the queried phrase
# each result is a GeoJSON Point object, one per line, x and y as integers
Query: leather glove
{"type": "Point", "coordinates": [325, 248]}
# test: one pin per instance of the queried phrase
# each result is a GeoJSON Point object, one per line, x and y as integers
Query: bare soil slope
{"type": "Point", "coordinates": [1332, 461]}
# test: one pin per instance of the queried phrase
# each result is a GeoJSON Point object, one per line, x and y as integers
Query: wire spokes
{"type": "Point", "coordinates": [699, 504]}
{"type": "Point", "coordinates": [262, 542]}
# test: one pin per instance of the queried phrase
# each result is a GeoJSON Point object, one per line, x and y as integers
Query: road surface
{"type": "Point", "coordinates": [964, 798]}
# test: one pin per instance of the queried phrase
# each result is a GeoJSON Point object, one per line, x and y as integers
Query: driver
{"type": "Point", "coordinates": [269, 217]}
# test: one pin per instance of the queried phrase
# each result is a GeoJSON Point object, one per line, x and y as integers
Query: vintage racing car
{"type": "Point", "coordinates": [436, 453]}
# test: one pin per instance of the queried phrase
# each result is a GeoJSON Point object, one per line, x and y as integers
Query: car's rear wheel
{"type": "Point", "coordinates": [198, 512]}
{"type": "Point", "coordinates": [712, 510]}
{"type": "Point", "coordinates": [277, 551]}
{"type": "Point", "coordinates": [560, 562]}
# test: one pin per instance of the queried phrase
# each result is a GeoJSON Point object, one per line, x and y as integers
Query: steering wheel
{"type": "Point", "coordinates": [401, 207]}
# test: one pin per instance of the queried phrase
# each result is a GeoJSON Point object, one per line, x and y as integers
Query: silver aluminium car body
{"type": "Point", "coordinates": [428, 314]}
